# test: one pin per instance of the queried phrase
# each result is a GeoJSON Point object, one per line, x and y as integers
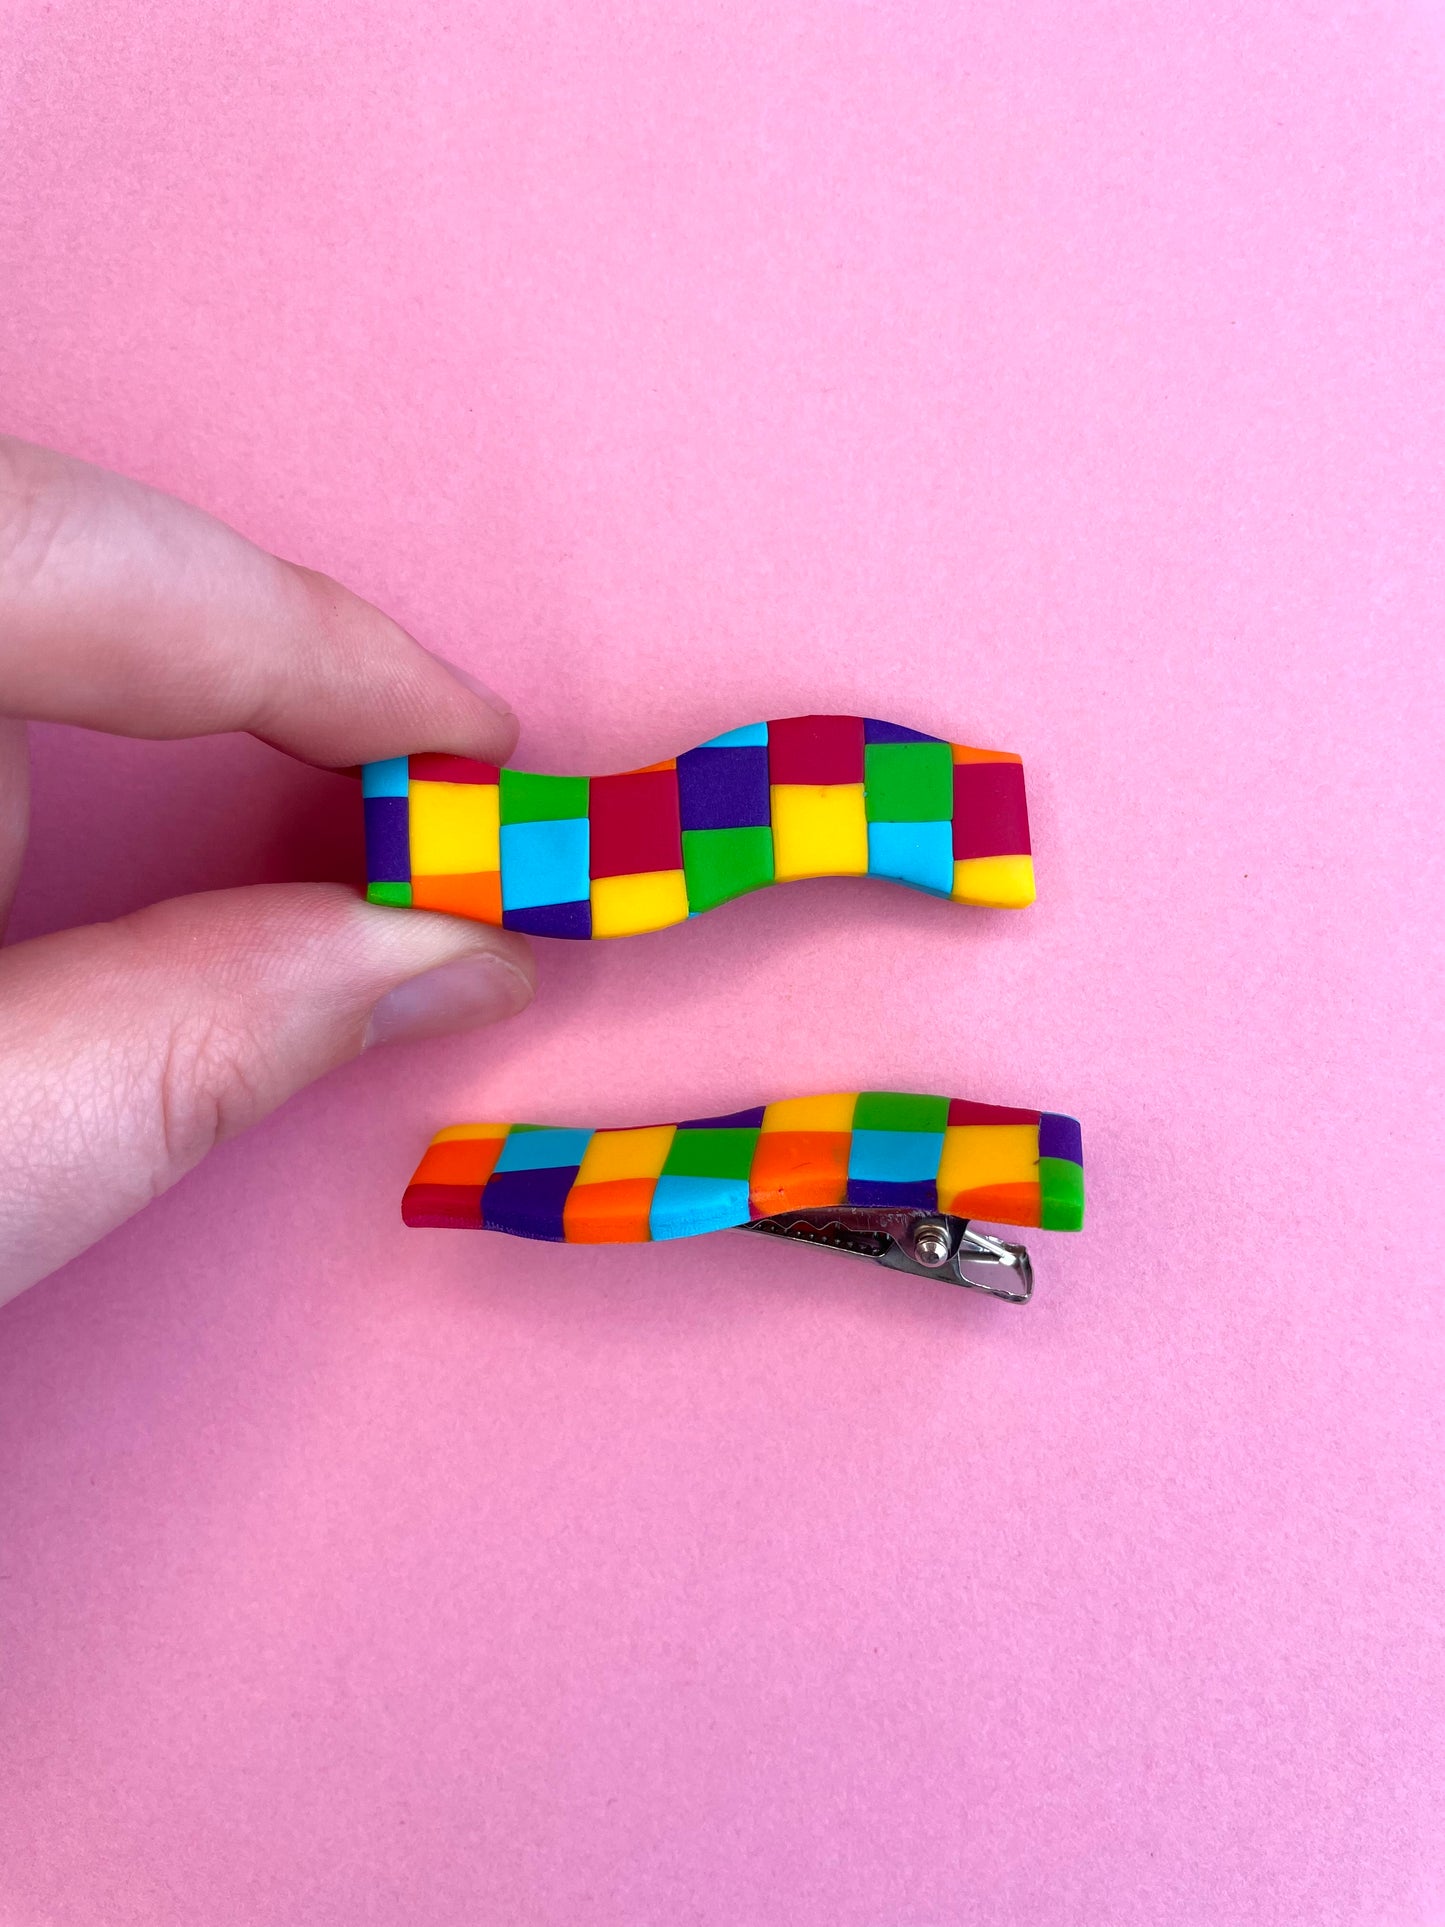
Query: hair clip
{"type": "Point", "coordinates": [877, 1174]}
{"type": "Point", "coordinates": [610, 856]}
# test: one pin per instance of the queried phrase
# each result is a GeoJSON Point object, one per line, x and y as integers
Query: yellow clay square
{"type": "Point", "coordinates": [650, 900]}
{"type": "Point", "coordinates": [819, 830]}
{"type": "Point", "coordinates": [1000, 882]}
{"type": "Point", "coordinates": [455, 1131]}
{"type": "Point", "coordinates": [454, 829]}
{"type": "Point", "coordinates": [626, 1154]}
{"type": "Point", "coordinates": [976, 1156]}
{"type": "Point", "coordinates": [812, 1113]}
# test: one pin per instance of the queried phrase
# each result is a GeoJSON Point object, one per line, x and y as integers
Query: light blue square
{"type": "Point", "coordinates": [545, 862]}
{"type": "Point", "coordinates": [684, 1207]}
{"type": "Point", "coordinates": [387, 778]}
{"type": "Point", "coordinates": [916, 853]}
{"type": "Point", "coordinates": [542, 1150]}
{"type": "Point", "coordinates": [750, 736]}
{"type": "Point", "coordinates": [895, 1157]}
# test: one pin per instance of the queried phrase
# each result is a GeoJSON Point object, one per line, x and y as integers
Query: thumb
{"type": "Point", "coordinates": [128, 1049]}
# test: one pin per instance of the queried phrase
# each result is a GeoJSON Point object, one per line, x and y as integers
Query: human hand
{"type": "Point", "coordinates": [129, 1049]}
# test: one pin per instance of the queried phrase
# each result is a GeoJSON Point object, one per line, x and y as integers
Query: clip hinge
{"type": "Point", "coordinates": [923, 1244]}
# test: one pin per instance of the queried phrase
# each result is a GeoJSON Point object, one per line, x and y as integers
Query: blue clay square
{"type": "Point", "coordinates": [916, 853]}
{"type": "Point", "coordinates": [685, 1207]}
{"type": "Point", "coordinates": [545, 862]}
{"type": "Point", "coordinates": [895, 1157]}
{"type": "Point", "coordinates": [542, 1150]}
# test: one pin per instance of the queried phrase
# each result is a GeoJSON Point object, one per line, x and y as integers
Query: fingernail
{"type": "Point", "coordinates": [476, 685]}
{"type": "Point", "coordinates": [462, 995]}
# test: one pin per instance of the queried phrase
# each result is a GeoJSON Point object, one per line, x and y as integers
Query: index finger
{"type": "Point", "coordinates": [126, 610]}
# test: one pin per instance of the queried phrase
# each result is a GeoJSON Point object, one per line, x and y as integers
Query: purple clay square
{"type": "Point", "coordinates": [876, 732]}
{"type": "Point", "coordinates": [1060, 1137]}
{"type": "Point", "coordinates": [388, 840]}
{"type": "Point", "coordinates": [551, 919]}
{"type": "Point", "coordinates": [734, 1121]}
{"type": "Point", "coordinates": [529, 1204]}
{"type": "Point", "coordinates": [724, 789]}
{"type": "Point", "coordinates": [919, 1194]}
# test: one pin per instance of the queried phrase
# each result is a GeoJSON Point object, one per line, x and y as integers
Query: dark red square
{"type": "Point", "coordinates": [451, 1207]}
{"type": "Point", "coordinates": [961, 1111]}
{"type": "Point", "coordinates": [990, 815]}
{"type": "Point", "coordinates": [635, 823]}
{"type": "Point", "coordinates": [816, 749]}
{"type": "Point", "coordinates": [434, 768]}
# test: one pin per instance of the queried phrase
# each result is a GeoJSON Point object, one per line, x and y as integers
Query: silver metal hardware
{"type": "Point", "coordinates": [923, 1244]}
{"type": "Point", "coordinates": [932, 1245]}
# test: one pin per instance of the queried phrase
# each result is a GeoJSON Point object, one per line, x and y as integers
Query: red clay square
{"type": "Point", "coordinates": [443, 1207]}
{"type": "Point", "coordinates": [635, 823]}
{"type": "Point", "coordinates": [990, 815]}
{"type": "Point", "coordinates": [962, 1111]}
{"type": "Point", "coordinates": [433, 768]}
{"type": "Point", "coordinates": [816, 749]}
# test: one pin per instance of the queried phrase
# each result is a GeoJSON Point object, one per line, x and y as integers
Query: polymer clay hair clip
{"type": "Point", "coordinates": [884, 1175]}
{"type": "Point", "coordinates": [610, 856]}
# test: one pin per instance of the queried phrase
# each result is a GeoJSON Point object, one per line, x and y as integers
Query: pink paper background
{"type": "Point", "coordinates": [1061, 377]}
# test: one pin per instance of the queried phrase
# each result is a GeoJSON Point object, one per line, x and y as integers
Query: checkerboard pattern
{"type": "Point", "coordinates": [676, 1180]}
{"type": "Point", "coordinates": [609, 856]}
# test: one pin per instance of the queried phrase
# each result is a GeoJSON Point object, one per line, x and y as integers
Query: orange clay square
{"type": "Point", "coordinates": [460, 1160]}
{"type": "Point", "coordinates": [962, 753]}
{"type": "Point", "coordinates": [998, 1203]}
{"type": "Point", "coordinates": [478, 895]}
{"type": "Point", "coordinates": [797, 1170]}
{"type": "Point", "coordinates": [614, 1213]}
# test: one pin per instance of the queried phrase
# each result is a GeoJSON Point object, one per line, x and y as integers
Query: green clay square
{"type": "Point", "coordinates": [719, 864]}
{"type": "Point", "coordinates": [899, 1111]}
{"type": "Point", "coordinates": [394, 893]}
{"type": "Point", "coordinates": [725, 1152]}
{"type": "Point", "coordinates": [527, 798]}
{"type": "Point", "coordinates": [908, 782]}
{"type": "Point", "coordinates": [1061, 1194]}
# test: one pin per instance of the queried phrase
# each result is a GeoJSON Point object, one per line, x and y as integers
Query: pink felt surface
{"type": "Point", "coordinates": [1061, 378]}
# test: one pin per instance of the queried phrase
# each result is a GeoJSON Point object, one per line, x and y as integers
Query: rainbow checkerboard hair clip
{"type": "Point", "coordinates": [610, 856]}
{"type": "Point", "coordinates": [885, 1175]}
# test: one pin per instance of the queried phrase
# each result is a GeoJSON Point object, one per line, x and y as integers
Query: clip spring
{"type": "Point", "coordinates": [923, 1245]}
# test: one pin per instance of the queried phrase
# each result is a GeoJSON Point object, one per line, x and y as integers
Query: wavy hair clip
{"type": "Point", "coordinates": [612, 856]}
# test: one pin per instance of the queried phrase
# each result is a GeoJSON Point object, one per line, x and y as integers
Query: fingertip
{"type": "Point", "coordinates": [469, 993]}
{"type": "Point", "coordinates": [395, 697]}
{"type": "Point", "coordinates": [478, 688]}
{"type": "Point", "coordinates": [448, 974]}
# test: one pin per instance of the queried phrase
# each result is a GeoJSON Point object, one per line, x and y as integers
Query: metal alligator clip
{"type": "Point", "coordinates": [887, 1175]}
{"type": "Point", "coordinates": [920, 1243]}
